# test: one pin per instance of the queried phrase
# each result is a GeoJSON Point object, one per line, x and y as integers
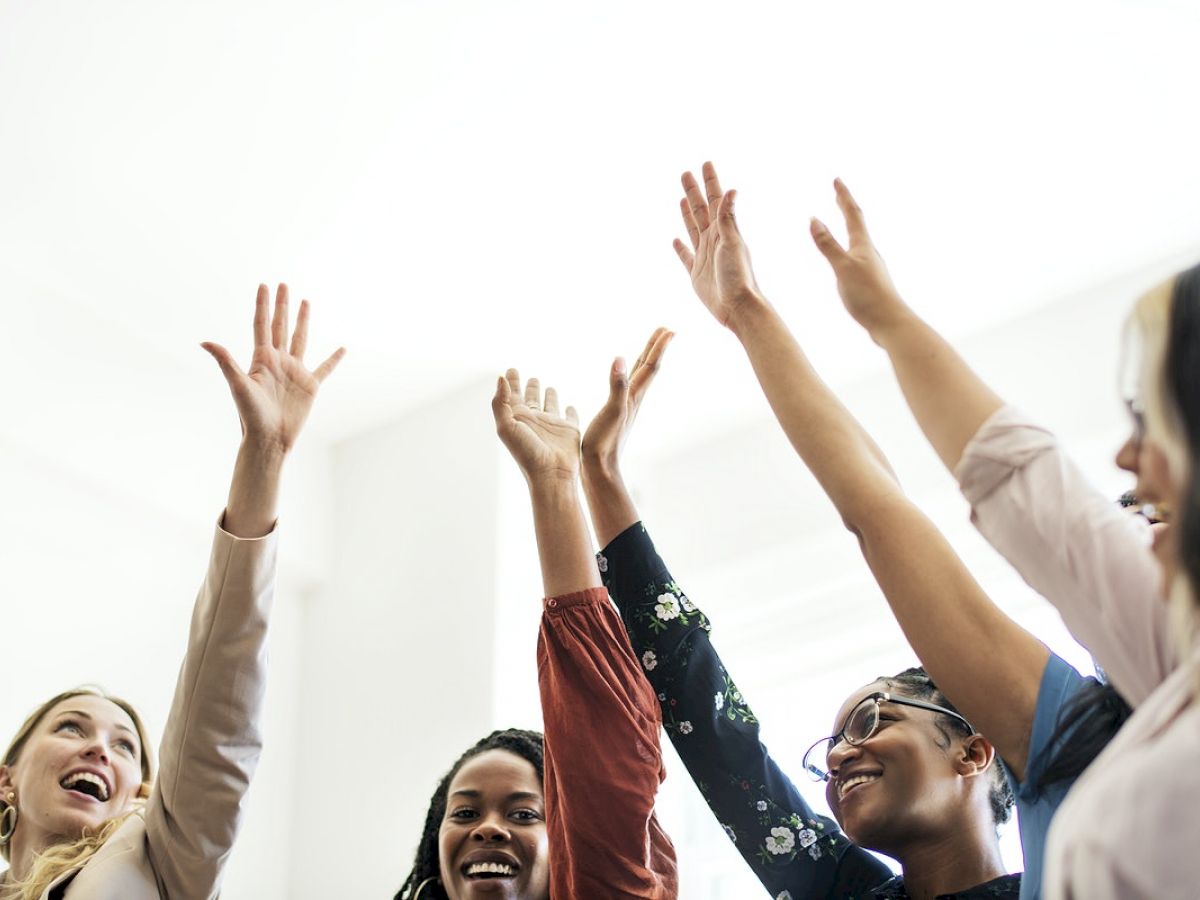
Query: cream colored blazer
{"type": "Point", "coordinates": [177, 848]}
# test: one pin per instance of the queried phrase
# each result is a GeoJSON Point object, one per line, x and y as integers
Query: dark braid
{"type": "Point", "coordinates": [917, 684]}
{"type": "Point", "coordinates": [525, 744]}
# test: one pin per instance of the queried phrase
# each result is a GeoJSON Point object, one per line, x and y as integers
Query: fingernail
{"type": "Point", "coordinates": [619, 365]}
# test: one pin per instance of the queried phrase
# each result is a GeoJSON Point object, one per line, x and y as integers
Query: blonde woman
{"type": "Point", "coordinates": [81, 817]}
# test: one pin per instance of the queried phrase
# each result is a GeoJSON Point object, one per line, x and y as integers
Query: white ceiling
{"type": "Point", "coordinates": [462, 186]}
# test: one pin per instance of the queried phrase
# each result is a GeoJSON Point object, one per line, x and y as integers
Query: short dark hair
{"type": "Point", "coordinates": [916, 683]}
{"type": "Point", "coordinates": [525, 744]}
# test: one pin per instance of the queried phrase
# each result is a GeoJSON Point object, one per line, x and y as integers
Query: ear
{"type": "Point", "coordinates": [6, 781]}
{"type": "Point", "coordinates": [974, 756]}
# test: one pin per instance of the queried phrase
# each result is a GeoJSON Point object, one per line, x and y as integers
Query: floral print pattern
{"type": "Point", "coordinates": [793, 851]}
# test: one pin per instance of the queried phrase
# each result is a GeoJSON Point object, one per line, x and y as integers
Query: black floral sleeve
{"type": "Point", "coordinates": [795, 853]}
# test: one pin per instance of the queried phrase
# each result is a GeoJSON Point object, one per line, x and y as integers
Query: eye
{"type": "Point", "coordinates": [463, 814]}
{"type": "Point", "coordinates": [526, 815]}
{"type": "Point", "coordinates": [128, 747]}
{"type": "Point", "coordinates": [69, 725]}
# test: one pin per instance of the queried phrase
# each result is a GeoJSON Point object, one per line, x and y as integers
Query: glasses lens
{"type": "Point", "coordinates": [814, 759]}
{"type": "Point", "coordinates": [861, 722]}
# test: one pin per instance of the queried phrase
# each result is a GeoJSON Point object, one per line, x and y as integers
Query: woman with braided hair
{"type": "Point", "coordinates": [579, 821]}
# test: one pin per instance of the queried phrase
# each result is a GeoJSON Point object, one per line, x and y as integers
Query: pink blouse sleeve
{"type": "Point", "coordinates": [603, 761]}
{"type": "Point", "coordinates": [1073, 545]}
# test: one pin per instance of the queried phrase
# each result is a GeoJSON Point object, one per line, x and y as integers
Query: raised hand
{"type": "Point", "coordinates": [863, 281]}
{"type": "Point", "coordinates": [276, 394]}
{"type": "Point", "coordinates": [605, 436]}
{"type": "Point", "coordinates": [543, 442]}
{"type": "Point", "coordinates": [719, 261]}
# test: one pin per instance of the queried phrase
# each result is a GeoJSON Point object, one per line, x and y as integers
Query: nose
{"type": "Point", "coordinates": [1127, 456]}
{"type": "Point", "coordinates": [96, 750]}
{"type": "Point", "coordinates": [838, 755]}
{"type": "Point", "coordinates": [491, 828]}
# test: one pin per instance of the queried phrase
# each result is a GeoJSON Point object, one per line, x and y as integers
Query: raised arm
{"type": "Point", "coordinates": [949, 400]}
{"type": "Point", "coordinates": [603, 762]}
{"type": "Point", "coordinates": [1070, 543]}
{"type": "Point", "coordinates": [792, 849]}
{"type": "Point", "coordinates": [213, 736]}
{"type": "Point", "coordinates": [970, 648]}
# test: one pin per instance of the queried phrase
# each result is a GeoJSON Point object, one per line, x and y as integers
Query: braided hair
{"type": "Point", "coordinates": [525, 744]}
{"type": "Point", "coordinates": [916, 683]}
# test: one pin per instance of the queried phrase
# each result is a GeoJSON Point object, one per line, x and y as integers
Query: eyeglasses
{"type": "Point", "coordinates": [860, 726]}
{"type": "Point", "coordinates": [1138, 415]}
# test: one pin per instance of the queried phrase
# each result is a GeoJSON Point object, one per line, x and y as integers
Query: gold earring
{"type": "Point", "coordinates": [421, 886]}
{"type": "Point", "coordinates": [8, 819]}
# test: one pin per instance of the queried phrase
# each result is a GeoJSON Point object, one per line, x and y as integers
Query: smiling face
{"type": "Point", "coordinates": [80, 765]}
{"type": "Point", "coordinates": [1155, 451]}
{"type": "Point", "coordinates": [492, 842]}
{"type": "Point", "coordinates": [903, 784]}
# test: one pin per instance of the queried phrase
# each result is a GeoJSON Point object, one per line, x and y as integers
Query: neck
{"type": "Point", "coordinates": [26, 845]}
{"type": "Point", "coordinates": [962, 859]}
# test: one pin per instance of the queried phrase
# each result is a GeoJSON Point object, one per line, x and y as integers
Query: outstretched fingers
{"type": "Point", "coordinates": [685, 255]}
{"type": "Point", "coordinates": [262, 317]}
{"type": "Point", "coordinates": [648, 363]}
{"type": "Point", "coordinates": [856, 222]}
{"type": "Point", "coordinates": [300, 335]}
{"type": "Point", "coordinates": [826, 242]}
{"type": "Point", "coordinates": [325, 369]}
{"type": "Point", "coordinates": [229, 368]}
{"type": "Point", "coordinates": [696, 203]}
{"type": "Point", "coordinates": [279, 322]}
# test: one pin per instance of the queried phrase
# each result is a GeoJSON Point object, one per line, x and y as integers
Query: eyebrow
{"type": "Point", "coordinates": [83, 715]}
{"type": "Point", "coordinates": [515, 795]}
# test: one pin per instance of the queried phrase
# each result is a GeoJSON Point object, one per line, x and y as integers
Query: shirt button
{"type": "Point", "coordinates": [553, 604]}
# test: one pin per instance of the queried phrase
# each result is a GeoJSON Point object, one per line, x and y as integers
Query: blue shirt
{"type": "Point", "coordinates": [1035, 808]}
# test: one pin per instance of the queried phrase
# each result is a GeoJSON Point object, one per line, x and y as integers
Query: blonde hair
{"type": "Point", "coordinates": [59, 858]}
{"type": "Point", "coordinates": [1152, 322]}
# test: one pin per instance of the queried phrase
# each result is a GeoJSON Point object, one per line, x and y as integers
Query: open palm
{"type": "Point", "coordinates": [542, 441]}
{"type": "Point", "coordinates": [275, 395]}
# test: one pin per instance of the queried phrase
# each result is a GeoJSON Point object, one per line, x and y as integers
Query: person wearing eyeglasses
{"type": "Point", "coordinates": [906, 774]}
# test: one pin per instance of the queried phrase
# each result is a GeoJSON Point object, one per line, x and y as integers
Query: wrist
{"type": "Point", "coordinates": [885, 326]}
{"type": "Point", "coordinates": [747, 308]}
{"type": "Point", "coordinates": [265, 452]}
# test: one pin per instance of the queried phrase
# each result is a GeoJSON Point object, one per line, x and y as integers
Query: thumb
{"type": "Point", "coordinates": [618, 382]}
{"type": "Point", "coordinates": [230, 369]}
{"type": "Point", "coordinates": [826, 242]}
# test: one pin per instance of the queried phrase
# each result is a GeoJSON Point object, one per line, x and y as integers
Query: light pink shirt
{"type": "Point", "coordinates": [1130, 827]}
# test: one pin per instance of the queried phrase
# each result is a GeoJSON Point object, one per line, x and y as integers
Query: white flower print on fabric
{"type": "Point", "coordinates": [761, 805]}
{"type": "Point", "coordinates": [688, 605]}
{"type": "Point", "coordinates": [781, 840]}
{"type": "Point", "coordinates": [784, 895]}
{"type": "Point", "coordinates": [649, 661]}
{"type": "Point", "coordinates": [729, 831]}
{"type": "Point", "coordinates": [719, 700]}
{"type": "Point", "coordinates": [815, 851]}
{"type": "Point", "coordinates": [601, 562]}
{"type": "Point", "coordinates": [685, 727]}
{"type": "Point", "coordinates": [807, 837]}
{"type": "Point", "coordinates": [666, 608]}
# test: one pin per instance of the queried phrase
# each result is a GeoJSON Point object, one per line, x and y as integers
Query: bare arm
{"type": "Point", "coordinates": [971, 649]}
{"type": "Point", "coordinates": [949, 401]}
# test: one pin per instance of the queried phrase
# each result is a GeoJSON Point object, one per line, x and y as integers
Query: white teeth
{"type": "Point", "coordinates": [851, 782]}
{"type": "Point", "coordinates": [71, 780]}
{"type": "Point", "coordinates": [489, 868]}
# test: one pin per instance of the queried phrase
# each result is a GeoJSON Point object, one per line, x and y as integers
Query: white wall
{"type": "Point", "coordinates": [398, 661]}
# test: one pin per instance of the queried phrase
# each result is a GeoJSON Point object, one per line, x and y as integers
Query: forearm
{"type": "Point", "coordinates": [564, 545]}
{"type": "Point", "coordinates": [845, 460]}
{"type": "Point", "coordinates": [612, 508]}
{"type": "Point", "coordinates": [949, 401]}
{"type": "Point", "coordinates": [254, 492]}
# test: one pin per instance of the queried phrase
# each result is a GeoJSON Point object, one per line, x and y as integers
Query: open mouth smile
{"type": "Point", "coordinates": [87, 784]}
{"type": "Point", "coordinates": [853, 783]}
